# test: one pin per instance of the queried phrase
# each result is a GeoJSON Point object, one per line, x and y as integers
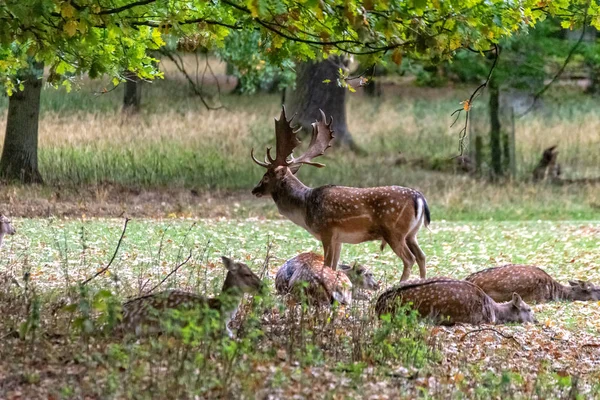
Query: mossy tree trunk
{"type": "Point", "coordinates": [132, 97]}
{"type": "Point", "coordinates": [312, 93]}
{"type": "Point", "coordinates": [495, 134]}
{"type": "Point", "coordinates": [19, 161]}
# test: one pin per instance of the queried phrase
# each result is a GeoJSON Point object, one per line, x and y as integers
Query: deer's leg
{"type": "Point", "coordinates": [337, 249]}
{"type": "Point", "coordinates": [401, 249]}
{"type": "Point", "coordinates": [413, 245]}
{"type": "Point", "coordinates": [328, 249]}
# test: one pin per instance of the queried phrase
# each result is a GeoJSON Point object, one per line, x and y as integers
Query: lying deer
{"type": "Point", "coordinates": [531, 283]}
{"type": "Point", "coordinates": [142, 315]}
{"type": "Point", "coordinates": [310, 269]}
{"type": "Point", "coordinates": [338, 214]}
{"type": "Point", "coordinates": [449, 301]}
{"type": "Point", "coordinates": [6, 228]}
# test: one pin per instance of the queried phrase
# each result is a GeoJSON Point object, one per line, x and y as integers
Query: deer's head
{"type": "Point", "coordinates": [6, 227]}
{"type": "Point", "coordinates": [285, 142]}
{"type": "Point", "coordinates": [584, 291]}
{"type": "Point", "coordinates": [241, 276]}
{"type": "Point", "coordinates": [520, 311]}
{"type": "Point", "coordinates": [360, 276]}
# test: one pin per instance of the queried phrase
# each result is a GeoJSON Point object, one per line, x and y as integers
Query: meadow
{"type": "Point", "coordinates": [184, 175]}
{"type": "Point", "coordinates": [52, 324]}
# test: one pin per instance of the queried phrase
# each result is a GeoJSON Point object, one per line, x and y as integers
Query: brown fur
{"type": "Point", "coordinates": [360, 276]}
{"type": "Point", "coordinates": [448, 301]}
{"type": "Point", "coordinates": [143, 314]}
{"type": "Point", "coordinates": [533, 284]}
{"type": "Point", "coordinates": [337, 214]}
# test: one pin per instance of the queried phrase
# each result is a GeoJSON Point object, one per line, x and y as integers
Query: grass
{"type": "Point", "coordinates": [176, 144]}
{"type": "Point", "coordinates": [280, 352]}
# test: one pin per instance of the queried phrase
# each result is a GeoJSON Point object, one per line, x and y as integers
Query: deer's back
{"type": "Point", "coordinates": [148, 310]}
{"type": "Point", "coordinates": [445, 300]}
{"type": "Point", "coordinates": [285, 273]}
{"type": "Point", "coordinates": [531, 283]}
{"type": "Point", "coordinates": [361, 210]}
{"type": "Point", "coordinates": [320, 285]}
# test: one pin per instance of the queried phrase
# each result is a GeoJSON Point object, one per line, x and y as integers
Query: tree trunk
{"type": "Point", "coordinates": [495, 137]}
{"type": "Point", "coordinates": [132, 98]}
{"type": "Point", "coordinates": [312, 94]}
{"type": "Point", "coordinates": [19, 160]}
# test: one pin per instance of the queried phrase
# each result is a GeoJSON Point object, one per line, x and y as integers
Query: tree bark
{"type": "Point", "coordinates": [495, 136]}
{"type": "Point", "coordinates": [312, 94]}
{"type": "Point", "coordinates": [19, 160]}
{"type": "Point", "coordinates": [132, 97]}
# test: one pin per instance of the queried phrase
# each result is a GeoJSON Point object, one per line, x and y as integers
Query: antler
{"type": "Point", "coordinates": [285, 142]}
{"type": "Point", "coordinates": [322, 135]}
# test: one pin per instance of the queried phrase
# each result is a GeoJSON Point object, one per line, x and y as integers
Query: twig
{"type": "Point", "coordinates": [169, 274]}
{"type": "Point", "coordinates": [197, 91]}
{"type": "Point", "coordinates": [469, 104]}
{"type": "Point", "coordinates": [543, 90]}
{"type": "Point", "coordinates": [504, 335]}
{"type": "Point", "coordinates": [103, 270]}
{"type": "Point", "coordinates": [267, 258]}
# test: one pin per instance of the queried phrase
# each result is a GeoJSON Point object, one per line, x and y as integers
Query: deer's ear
{"type": "Point", "coordinates": [517, 301]}
{"type": "Point", "coordinates": [229, 264]}
{"type": "Point", "coordinates": [295, 168]}
{"type": "Point", "coordinates": [344, 267]}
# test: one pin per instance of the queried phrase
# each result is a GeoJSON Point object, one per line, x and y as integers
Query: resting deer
{"type": "Point", "coordinates": [337, 214]}
{"type": "Point", "coordinates": [309, 269]}
{"type": "Point", "coordinates": [142, 315]}
{"type": "Point", "coordinates": [532, 283]}
{"type": "Point", "coordinates": [448, 301]}
{"type": "Point", "coordinates": [6, 228]}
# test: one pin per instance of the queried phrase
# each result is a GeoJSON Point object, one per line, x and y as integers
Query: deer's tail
{"type": "Point", "coordinates": [422, 209]}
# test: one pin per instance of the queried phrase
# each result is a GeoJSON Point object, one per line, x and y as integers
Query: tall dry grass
{"type": "Point", "coordinates": [176, 142]}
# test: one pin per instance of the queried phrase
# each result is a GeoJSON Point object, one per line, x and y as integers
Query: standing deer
{"type": "Point", "coordinates": [307, 271]}
{"type": "Point", "coordinates": [142, 315]}
{"type": "Point", "coordinates": [449, 301]}
{"type": "Point", "coordinates": [532, 284]}
{"type": "Point", "coordinates": [338, 214]}
{"type": "Point", "coordinates": [6, 228]}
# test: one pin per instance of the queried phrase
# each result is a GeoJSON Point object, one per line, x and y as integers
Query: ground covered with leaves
{"type": "Point", "coordinates": [55, 342]}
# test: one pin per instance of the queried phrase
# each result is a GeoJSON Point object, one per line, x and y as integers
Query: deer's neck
{"type": "Point", "coordinates": [504, 312]}
{"type": "Point", "coordinates": [228, 301]}
{"type": "Point", "coordinates": [290, 197]}
{"type": "Point", "coordinates": [562, 292]}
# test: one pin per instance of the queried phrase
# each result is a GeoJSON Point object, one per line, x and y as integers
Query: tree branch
{"type": "Point", "coordinates": [103, 270]}
{"type": "Point", "coordinates": [469, 104]}
{"type": "Point", "coordinates": [125, 7]}
{"type": "Point", "coordinates": [169, 274]}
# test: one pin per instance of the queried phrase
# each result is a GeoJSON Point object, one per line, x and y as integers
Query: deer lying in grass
{"type": "Point", "coordinates": [337, 214]}
{"type": "Point", "coordinates": [533, 284]}
{"type": "Point", "coordinates": [307, 272]}
{"type": "Point", "coordinates": [6, 228]}
{"type": "Point", "coordinates": [449, 301]}
{"type": "Point", "coordinates": [142, 315]}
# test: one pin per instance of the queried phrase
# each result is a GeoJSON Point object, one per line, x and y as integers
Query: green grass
{"type": "Point", "coordinates": [567, 250]}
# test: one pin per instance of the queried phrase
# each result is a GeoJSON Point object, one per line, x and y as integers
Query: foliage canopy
{"type": "Point", "coordinates": [108, 37]}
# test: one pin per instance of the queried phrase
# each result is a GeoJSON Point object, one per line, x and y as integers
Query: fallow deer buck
{"type": "Point", "coordinates": [6, 228]}
{"type": "Point", "coordinates": [337, 214]}
{"type": "Point", "coordinates": [448, 301]}
{"type": "Point", "coordinates": [307, 272]}
{"type": "Point", "coordinates": [143, 315]}
{"type": "Point", "coordinates": [532, 283]}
